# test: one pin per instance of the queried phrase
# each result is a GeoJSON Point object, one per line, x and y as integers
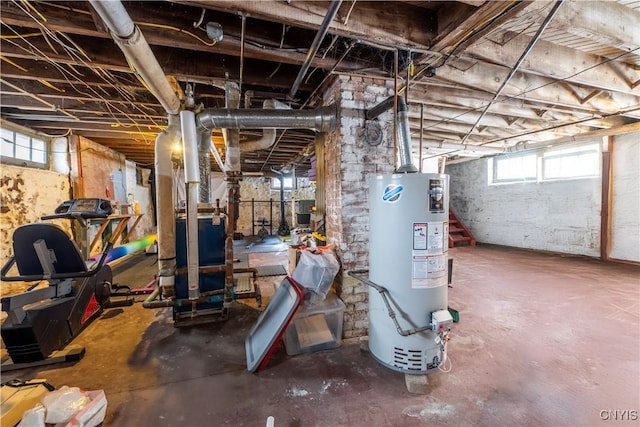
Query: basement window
{"type": "Point", "coordinates": [550, 164]}
{"type": "Point", "coordinates": [22, 149]}
{"type": "Point", "coordinates": [574, 162]}
{"type": "Point", "coordinates": [288, 183]}
{"type": "Point", "coordinates": [519, 168]}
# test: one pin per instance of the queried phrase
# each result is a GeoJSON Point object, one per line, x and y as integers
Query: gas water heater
{"type": "Point", "coordinates": [409, 232]}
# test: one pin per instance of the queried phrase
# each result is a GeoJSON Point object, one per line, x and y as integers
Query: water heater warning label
{"type": "Point", "coordinates": [426, 268]}
{"type": "Point", "coordinates": [435, 236]}
{"type": "Point", "coordinates": [419, 236]}
{"type": "Point", "coordinates": [431, 237]}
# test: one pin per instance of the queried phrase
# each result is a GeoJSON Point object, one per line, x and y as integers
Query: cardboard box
{"type": "Point", "coordinates": [317, 327]}
{"type": "Point", "coordinates": [294, 257]}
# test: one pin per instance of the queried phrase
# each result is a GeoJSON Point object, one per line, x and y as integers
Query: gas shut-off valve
{"type": "Point", "coordinates": [441, 321]}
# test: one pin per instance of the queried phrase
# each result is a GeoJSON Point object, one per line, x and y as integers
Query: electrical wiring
{"type": "Point", "coordinates": [445, 355]}
{"type": "Point", "coordinates": [141, 23]}
{"type": "Point", "coordinates": [179, 30]}
{"type": "Point", "coordinates": [71, 52]}
{"type": "Point", "coordinates": [4, 58]}
{"type": "Point", "coordinates": [21, 36]}
{"type": "Point", "coordinates": [524, 92]}
{"type": "Point", "coordinates": [284, 31]}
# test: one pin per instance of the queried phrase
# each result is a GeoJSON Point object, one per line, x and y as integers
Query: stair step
{"type": "Point", "coordinates": [458, 233]}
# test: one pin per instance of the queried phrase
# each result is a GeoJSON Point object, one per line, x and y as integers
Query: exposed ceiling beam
{"type": "Point", "coordinates": [460, 25]}
{"type": "Point", "coordinates": [488, 77]}
{"type": "Point", "coordinates": [205, 67]}
{"type": "Point", "coordinates": [543, 59]}
{"type": "Point", "coordinates": [78, 21]}
{"type": "Point", "coordinates": [390, 23]}
{"type": "Point", "coordinates": [606, 22]}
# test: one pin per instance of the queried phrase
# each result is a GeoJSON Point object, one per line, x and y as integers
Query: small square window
{"type": "Point", "coordinates": [288, 183]}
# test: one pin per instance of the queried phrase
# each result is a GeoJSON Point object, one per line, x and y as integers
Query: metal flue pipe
{"type": "Point", "coordinates": [315, 45]}
{"type": "Point", "coordinates": [268, 135]}
{"type": "Point", "coordinates": [322, 119]}
{"type": "Point", "coordinates": [404, 138]}
{"type": "Point", "coordinates": [137, 51]}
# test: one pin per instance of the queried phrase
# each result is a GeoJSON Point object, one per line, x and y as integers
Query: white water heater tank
{"type": "Point", "coordinates": [408, 244]}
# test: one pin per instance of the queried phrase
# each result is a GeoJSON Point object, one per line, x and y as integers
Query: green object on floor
{"type": "Point", "coordinates": [454, 314]}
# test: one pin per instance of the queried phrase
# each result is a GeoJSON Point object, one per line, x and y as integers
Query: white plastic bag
{"type": "Point", "coordinates": [315, 272]}
{"type": "Point", "coordinates": [92, 414]}
{"type": "Point", "coordinates": [63, 404]}
{"type": "Point", "coordinates": [33, 417]}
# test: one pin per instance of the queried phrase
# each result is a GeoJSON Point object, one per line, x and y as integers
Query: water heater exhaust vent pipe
{"type": "Point", "coordinates": [404, 139]}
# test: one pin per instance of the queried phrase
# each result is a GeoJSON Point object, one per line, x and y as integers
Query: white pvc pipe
{"type": "Point", "coordinates": [190, 146]}
{"type": "Point", "coordinates": [463, 147]}
{"type": "Point", "coordinates": [115, 16]}
{"type": "Point", "coordinates": [192, 179]}
{"type": "Point", "coordinates": [135, 47]}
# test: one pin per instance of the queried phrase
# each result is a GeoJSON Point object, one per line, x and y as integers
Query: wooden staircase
{"type": "Point", "coordinates": [459, 235]}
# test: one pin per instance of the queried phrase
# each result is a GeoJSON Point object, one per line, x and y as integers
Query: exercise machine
{"type": "Point", "coordinates": [45, 318]}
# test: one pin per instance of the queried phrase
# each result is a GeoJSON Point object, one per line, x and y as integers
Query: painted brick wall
{"type": "Point", "coordinates": [349, 162]}
{"type": "Point", "coordinates": [625, 209]}
{"type": "Point", "coordinates": [558, 216]}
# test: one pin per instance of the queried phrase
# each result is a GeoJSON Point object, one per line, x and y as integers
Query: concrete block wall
{"type": "Point", "coordinates": [349, 162]}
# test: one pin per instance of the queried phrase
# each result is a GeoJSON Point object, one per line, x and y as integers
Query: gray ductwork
{"type": "Point", "coordinates": [231, 136]}
{"type": "Point", "coordinates": [135, 47]}
{"type": "Point", "coordinates": [322, 119]}
{"type": "Point", "coordinates": [404, 139]}
{"type": "Point", "coordinates": [268, 135]}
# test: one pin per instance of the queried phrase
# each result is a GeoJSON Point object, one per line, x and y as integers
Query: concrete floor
{"type": "Point", "coordinates": [543, 340]}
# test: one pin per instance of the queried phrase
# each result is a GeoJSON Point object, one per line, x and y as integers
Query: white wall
{"type": "Point", "coordinates": [558, 216]}
{"type": "Point", "coordinates": [625, 209]}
